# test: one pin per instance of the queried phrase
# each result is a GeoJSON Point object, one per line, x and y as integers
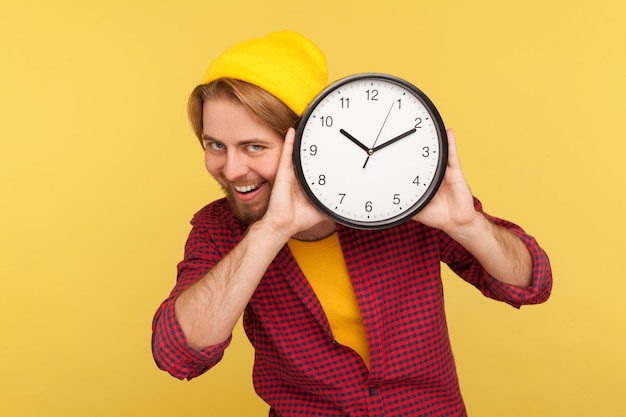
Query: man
{"type": "Point", "coordinates": [343, 322]}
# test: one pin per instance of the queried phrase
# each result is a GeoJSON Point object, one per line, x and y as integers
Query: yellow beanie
{"type": "Point", "coordinates": [285, 64]}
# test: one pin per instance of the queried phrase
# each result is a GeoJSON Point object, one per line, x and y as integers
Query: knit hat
{"type": "Point", "coordinates": [285, 64]}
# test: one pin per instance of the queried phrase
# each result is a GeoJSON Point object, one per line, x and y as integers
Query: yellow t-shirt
{"type": "Point", "coordinates": [324, 267]}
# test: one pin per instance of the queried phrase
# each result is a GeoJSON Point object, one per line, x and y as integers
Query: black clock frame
{"type": "Point", "coordinates": [441, 163]}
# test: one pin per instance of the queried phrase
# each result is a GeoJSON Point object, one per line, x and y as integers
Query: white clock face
{"type": "Point", "coordinates": [370, 151]}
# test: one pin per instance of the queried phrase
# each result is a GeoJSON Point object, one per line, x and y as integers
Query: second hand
{"type": "Point", "coordinates": [379, 132]}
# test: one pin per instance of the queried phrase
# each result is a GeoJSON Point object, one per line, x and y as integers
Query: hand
{"type": "Point", "coordinates": [289, 211]}
{"type": "Point", "coordinates": [502, 254]}
{"type": "Point", "coordinates": [452, 207]}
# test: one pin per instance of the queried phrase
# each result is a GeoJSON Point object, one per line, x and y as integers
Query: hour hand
{"type": "Point", "coordinates": [356, 141]}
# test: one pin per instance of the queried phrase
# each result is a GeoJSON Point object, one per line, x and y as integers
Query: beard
{"type": "Point", "coordinates": [246, 212]}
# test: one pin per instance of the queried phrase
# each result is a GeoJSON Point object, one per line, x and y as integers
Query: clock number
{"type": "Point", "coordinates": [396, 199]}
{"type": "Point", "coordinates": [321, 180]}
{"type": "Point", "coordinates": [313, 150]}
{"type": "Point", "coordinates": [416, 181]}
{"type": "Point", "coordinates": [426, 152]}
{"type": "Point", "coordinates": [327, 121]}
{"type": "Point", "coordinates": [372, 95]}
{"type": "Point", "coordinates": [368, 206]}
{"type": "Point", "coordinates": [341, 197]}
{"type": "Point", "coordinates": [399, 104]}
{"type": "Point", "coordinates": [418, 122]}
{"type": "Point", "coordinates": [345, 102]}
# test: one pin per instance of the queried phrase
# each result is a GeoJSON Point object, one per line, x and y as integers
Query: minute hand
{"type": "Point", "coordinates": [394, 140]}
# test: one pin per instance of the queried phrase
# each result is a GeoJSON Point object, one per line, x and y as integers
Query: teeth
{"type": "Point", "coordinates": [245, 188]}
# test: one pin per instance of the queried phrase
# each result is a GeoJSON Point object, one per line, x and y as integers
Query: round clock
{"type": "Point", "coordinates": [370, 151]}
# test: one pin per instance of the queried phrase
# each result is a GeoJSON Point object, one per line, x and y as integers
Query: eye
{"type": "Point", "coordinates": [254, 148]}
{"type": "Point", "coordinates": [214, 146]}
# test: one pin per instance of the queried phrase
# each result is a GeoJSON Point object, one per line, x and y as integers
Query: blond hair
{"type": "Point", "coordinates": [266, 106]}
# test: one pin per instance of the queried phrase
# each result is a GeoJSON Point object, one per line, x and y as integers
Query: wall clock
{"type": "Point", "coordinates": [370, 151]}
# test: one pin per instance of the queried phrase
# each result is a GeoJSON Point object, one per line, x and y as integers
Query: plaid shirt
{"type": "Point", "coordinates": [300, 370]}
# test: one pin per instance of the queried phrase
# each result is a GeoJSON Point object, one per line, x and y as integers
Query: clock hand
{"type": "Point", "coordinates": [394, 140]}
{"type": "Point", "coordinates": [379, 132]}
{"type": "Point", "coordinates": [356, 141]}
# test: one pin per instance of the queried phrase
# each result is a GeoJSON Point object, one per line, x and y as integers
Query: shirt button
{"type": "Point", "coordinates": [372, 391]}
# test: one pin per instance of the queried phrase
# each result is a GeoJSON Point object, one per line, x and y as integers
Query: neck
{"type": "Point", "coordinates": [317, 232]}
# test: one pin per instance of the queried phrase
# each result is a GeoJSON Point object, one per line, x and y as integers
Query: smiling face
{"type": "Point", "coordinates": [242, 154]}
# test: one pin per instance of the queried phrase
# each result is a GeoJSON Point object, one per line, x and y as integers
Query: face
{"type": "Point", "coordinates": [242, 154]}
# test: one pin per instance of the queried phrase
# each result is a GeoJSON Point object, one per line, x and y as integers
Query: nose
{"type": "Point", "coordinates": [235, 165]}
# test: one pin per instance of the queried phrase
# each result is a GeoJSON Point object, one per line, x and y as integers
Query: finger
{"type": "Point", "coordinates": [454, 173]}
{"type": "Point", "coordinates": [290, 136]}
{"type": "Point", "coordinates": [453, 156]}
{"type": "Point", "coordinates": [287, 151]}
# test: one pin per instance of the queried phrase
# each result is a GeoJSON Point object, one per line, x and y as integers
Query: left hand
{"type": "Point", "coordinates": [502, 254]}
{"type": "Point", "coordinates": [452, 207]}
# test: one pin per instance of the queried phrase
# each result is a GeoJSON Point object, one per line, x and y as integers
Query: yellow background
{"type": "Point", "coordinates": [100, 174]}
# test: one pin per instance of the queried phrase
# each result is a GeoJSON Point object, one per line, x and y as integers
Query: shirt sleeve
{"type": "Point", "coordinates": [169, 345]}
{"type": "Point", "coordinates": [171, 351]}
{"type": "Point", "coordinates": [468, 268]}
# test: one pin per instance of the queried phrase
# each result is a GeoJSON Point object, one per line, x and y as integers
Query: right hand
{"type": "Point", "coordinates": [289, 211]}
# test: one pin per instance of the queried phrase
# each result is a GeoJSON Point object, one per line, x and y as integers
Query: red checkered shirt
{"type": "Point", "coordinates": [299, 369]}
